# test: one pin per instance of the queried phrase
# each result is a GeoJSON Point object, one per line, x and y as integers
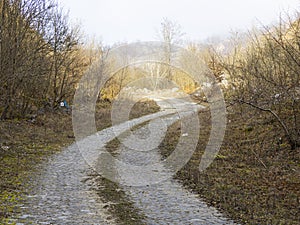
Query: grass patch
{"type": "Point", "coordinates": [143, 108]}
{"type": "Point", "coordinates": [117, 203]}
{"type": "Point", "coordinates": [23, 145]}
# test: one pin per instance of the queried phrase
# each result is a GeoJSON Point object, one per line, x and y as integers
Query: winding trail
{"type": "Point", "coordinates": [61, 195]}
{"type": "Point", "coordinates": [166, 202]}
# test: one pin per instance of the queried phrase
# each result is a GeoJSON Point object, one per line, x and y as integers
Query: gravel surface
{"type": "Point", "coordinates": [166, 202]}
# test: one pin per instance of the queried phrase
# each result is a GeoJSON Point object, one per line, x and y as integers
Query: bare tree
{"type": "Point", "coordinates": [23, 55]}
{"type": "Point", "coordinates": [39, 56]}
{"type": "Point", "coordinates": [265, 75]}
{"type": "Point", "coordinates": [171, 34]}
{"type": "Point", "coordinates": [64, 58]}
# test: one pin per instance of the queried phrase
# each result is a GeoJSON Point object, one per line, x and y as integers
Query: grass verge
{"type": "Point", "coordinates": [254, 179]}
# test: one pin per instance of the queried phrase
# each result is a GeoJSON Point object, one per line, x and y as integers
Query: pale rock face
{"type": "Point", "coordinates": [224, 82]}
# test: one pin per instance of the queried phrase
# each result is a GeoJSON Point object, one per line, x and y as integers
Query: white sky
{"type": "Point", "coordinates": [137, 20]}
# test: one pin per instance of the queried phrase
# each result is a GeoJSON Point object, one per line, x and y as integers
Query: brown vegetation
{"type": "Point", "coordinates": [254, 179]}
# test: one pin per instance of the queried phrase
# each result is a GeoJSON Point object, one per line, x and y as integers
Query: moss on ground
{"type": "Point", "coordinates": [118, 204]}
{"type": "Point", "coordinates": [23, 145]}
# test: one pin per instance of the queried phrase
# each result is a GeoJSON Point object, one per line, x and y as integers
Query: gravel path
{"type": "Point", "coordinates": [61, 195]}
{"type": "Point", "coordinates": [166, 202]}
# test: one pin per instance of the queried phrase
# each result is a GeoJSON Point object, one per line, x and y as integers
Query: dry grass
{"type": "Point", "coordinates": [254, 179]}
{"type": "Point", "coordinates": [25, 144]}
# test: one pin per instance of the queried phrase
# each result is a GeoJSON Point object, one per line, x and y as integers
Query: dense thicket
{"type": "Point", "coordinates": [40, 56]}
{"type": "Point", "coordinates": [263, 72]}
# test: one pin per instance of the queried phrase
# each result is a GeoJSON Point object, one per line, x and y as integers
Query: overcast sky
{"type": "Point", "coordinates": [137, 20]}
